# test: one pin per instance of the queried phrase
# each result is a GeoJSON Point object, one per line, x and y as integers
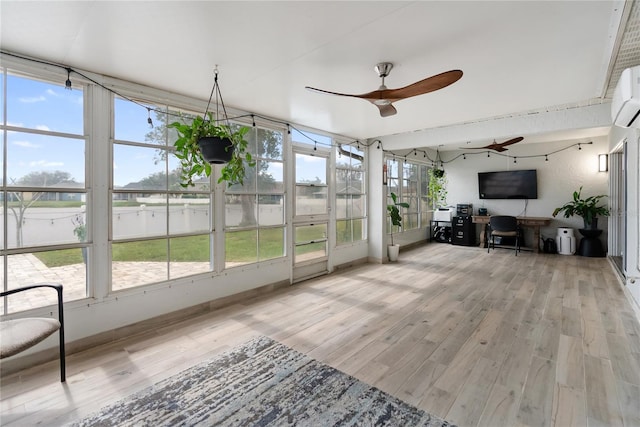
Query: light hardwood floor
{"type": "Point", "coordinates": [476, 338]}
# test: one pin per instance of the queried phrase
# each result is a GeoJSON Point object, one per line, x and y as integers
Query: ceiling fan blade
{"type": "Point", "coordinates": [427, 85]}
{"type": "Point", "coordinates": [386, 110]}
{"type": "Point", "coordinates": [511, 141]}
{"type": "Point", "coordinates": [313, 89]}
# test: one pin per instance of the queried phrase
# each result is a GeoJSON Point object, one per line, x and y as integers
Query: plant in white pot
{"type": "Point", "coordinates": [396, 221]}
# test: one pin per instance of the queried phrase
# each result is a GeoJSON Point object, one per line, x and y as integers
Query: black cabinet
{"type": "Point", "coordinates": [463, 231]}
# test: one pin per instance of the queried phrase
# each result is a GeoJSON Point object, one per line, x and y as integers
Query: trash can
{"type": "Point", "coordinates": [566, 241]}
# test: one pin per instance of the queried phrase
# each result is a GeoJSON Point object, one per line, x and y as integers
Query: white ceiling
{"type": "Point", "coordinates": [516, 55]}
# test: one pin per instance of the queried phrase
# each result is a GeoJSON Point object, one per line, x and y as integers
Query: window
{"type": "Point", "coordinates": [254, 211]}
{"type": "Point", "coordinates": [44, 190]}
{"type": "Point", "coordinates": [410, 195]}
{"type": "Point", "coordinates": [350, 195]}
{"type": "Point", "coordinates": [425, 203]}
{"type": "Point", "coordinates": [409, 181]}
{"type": "Point", "coordinates": [160, 231]}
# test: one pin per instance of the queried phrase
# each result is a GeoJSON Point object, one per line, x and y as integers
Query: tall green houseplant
{"type": "Point", "coordinates": [394, 213]}
{"type": "Point", "coordinates": [587, 208]}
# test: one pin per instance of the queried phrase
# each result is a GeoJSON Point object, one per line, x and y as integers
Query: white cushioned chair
{"type": "Point", "coordinates": [17, 335]}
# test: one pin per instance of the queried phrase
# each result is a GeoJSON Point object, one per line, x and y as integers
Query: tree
{"type": "Point", "coordinates": [269, 146]}
{"type": "Point", "coordinates": [26, 199]}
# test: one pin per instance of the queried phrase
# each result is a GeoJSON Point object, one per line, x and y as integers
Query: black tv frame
{"type": "Point", "coordinates": [506, 185]}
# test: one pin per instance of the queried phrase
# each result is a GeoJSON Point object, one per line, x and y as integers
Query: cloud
{"type": "Point", "coordinates": [45, 164]}
{"type": "Point", "coordinates": [313, 159]}
{"type": "Point", "coordinates": [52, 92]}
{"type": "Point", "coordinates": [26, 144]}
{"type": "Point", "coordinates": [32, 99]}
{"type": "Point", "coordinates": [42, 127]}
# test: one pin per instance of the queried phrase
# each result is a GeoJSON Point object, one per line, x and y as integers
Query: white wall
{"type": "Point", "coordinates": [558, 178]}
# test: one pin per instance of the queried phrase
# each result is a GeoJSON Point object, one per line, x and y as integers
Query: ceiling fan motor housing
{"type": "Point", "coordinates": [383, 69]}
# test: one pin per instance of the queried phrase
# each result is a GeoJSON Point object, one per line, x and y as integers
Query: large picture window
{"type": "Point", "coordinates": [254, 210]}
{"type": "Point", "coordinates": [351, 199]}
{"type": "Point", "coordinates": [160, 230]}
{"type": "Point", "coordinates": [44, 190]}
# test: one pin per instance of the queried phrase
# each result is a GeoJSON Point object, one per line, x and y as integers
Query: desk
{"type": "Point", "coordinates": [524, 221]}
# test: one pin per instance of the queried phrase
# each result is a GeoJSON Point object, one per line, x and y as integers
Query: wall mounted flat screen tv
{"type": "Point", "coordinates": [522, 184]}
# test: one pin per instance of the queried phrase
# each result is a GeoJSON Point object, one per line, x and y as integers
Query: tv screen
{"type": "Point", "coordinates": [521, 184]}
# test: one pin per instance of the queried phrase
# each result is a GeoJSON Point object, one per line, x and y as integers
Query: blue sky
{"type": "Point", "coordinates": [50, 107]}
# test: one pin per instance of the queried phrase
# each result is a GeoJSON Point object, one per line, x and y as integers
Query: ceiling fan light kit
{"type": "Point", "coordinates": [383, 98]}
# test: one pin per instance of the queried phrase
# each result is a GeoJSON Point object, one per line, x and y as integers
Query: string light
{"type": "Point", "coordinates": [253, 120]}
{"type": "Point", "coordinates": [464, 156]}
{"type": "Point", "coordinates": [515, 160]}
{"type": "Point", "coordinates": [415, 152]}
{"type": "Point", "coordinates": [315, 146]}
{"type": "Point", "coordinates": [67, 84]}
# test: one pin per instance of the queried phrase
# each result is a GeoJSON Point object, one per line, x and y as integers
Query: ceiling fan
{"type": "Point", "coordinates": [383, 97]}
{"type": "Point", "coordinates": [499, 147]}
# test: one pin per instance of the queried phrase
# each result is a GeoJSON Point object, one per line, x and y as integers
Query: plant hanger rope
{"type": "Point", "coordinates": [216, 89]}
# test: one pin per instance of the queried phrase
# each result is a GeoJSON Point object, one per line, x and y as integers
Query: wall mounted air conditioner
{"type": "Point", "coordinates": [625, 107]}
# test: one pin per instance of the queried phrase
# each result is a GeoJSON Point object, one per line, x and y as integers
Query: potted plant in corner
{"type": "Point", "coordinates": [396, 221]}
{"type": "Point", "coordinates": [203, 142]}
{"type": "Point", "coordinates": [587, 208]}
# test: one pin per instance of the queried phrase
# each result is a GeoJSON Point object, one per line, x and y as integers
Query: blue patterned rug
{"type": "Point", "coordinates": [261, 383]}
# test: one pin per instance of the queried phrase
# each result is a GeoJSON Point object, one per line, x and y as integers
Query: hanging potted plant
{"type": "Point", "coordinates": [204, 141]}
{"type": "Point", "coordinates": [437, 188]}
{"type": "Point", "coordinates": [587, 208]}
{"type": "Point", "coordinates": [396, 221]}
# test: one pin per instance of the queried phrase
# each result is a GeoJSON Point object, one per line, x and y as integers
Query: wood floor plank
{"type": "Point", "coordinates": [537, 398]}
{"type": "Point", "coordinates": [603, 406]}
{"type": "Point", "coordinates": [629, 399]}
{"type": "Point", "coordinates": [570, 366]}
{"type": "Point", "coordinates": [569, 407]}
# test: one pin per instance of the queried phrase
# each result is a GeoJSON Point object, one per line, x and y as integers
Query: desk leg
{"type": "Point", "coordinates": [483, 236]}
{"type": "Point", "coordinates": [536, 239]}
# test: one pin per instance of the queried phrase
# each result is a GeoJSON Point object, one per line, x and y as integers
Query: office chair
{"type": "Point", "coordinates": [17, 335]}
{"type": "Point", "coordinates": [503, 226]}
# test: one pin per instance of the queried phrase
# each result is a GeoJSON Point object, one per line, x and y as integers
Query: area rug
{"type": "Point", "coordinates": [261, 383]}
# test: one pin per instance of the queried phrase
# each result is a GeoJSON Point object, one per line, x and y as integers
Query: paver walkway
{"type": "Point", "coordinates": [28, 269]}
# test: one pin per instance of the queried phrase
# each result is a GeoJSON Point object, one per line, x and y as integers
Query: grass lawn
{"type": "Point", "coordinates": [241, 246]}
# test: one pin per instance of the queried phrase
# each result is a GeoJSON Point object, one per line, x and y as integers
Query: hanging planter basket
{"type": "Point", "coordinates": [216, 150]}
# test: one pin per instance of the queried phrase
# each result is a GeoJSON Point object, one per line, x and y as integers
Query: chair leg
{"type": "Point", "coordinates": [63, 364]}
{"type": "Point", "coordinates": [517, 244]}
